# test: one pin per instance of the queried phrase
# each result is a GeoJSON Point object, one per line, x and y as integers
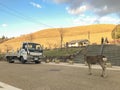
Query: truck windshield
{"type": "Point", "coordinates": [32, 47]}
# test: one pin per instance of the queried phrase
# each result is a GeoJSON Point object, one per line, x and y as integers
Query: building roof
{"type": "Point", "coordinates": [78, 41]}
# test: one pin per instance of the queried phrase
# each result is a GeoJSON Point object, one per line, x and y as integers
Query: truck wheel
{"type": "Point", "coordinates": [10, 60]}
{"type": "Point", "coordinates": [22, 60]}
{"type": "Point", "coordinates": [37, 62]}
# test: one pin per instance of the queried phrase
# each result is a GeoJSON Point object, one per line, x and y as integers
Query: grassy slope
{"type": "Point", "coordinates": [59, 52]}
{"type": "Point", "coordinates": [51, 38]}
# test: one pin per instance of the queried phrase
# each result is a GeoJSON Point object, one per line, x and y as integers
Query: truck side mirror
{"type": "Point", "coordinates": [25, 48]}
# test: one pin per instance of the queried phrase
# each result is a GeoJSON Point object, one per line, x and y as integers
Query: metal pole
{"type": "Point", "coordinates": [89, 36]}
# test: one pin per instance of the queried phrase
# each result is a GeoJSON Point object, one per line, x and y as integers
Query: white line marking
{"type": "Point", "coordinates": [4, 86]}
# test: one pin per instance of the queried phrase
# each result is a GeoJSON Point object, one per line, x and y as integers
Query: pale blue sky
{"type": "Point", "coordinates": [18, 17]}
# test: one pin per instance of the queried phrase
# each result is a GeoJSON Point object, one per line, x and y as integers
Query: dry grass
{"type": "Point", "coordinates": [51, 37]}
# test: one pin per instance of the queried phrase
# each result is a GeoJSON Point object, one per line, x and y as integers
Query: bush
{"type": "Point", "coordinates": [59, 52]}
{"type": "Point", "coordinates": [2, 57]}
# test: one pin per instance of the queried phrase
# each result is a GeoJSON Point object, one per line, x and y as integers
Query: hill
{"type": "Point", "coordinates": [51, 37]}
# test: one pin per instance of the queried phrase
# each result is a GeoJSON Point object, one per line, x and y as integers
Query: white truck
{"type": "Point", "coordinates": [29, 52]}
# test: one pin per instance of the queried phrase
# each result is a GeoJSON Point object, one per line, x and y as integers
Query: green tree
{"type": "Point", "coordinates": [116, 32]}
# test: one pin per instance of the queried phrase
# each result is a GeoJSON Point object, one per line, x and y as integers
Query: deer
{"type": "Point", "coordinates": [100, 59]}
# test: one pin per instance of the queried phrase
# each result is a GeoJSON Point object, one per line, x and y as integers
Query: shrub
{"type": "Point", "coordinates": [2, 57]}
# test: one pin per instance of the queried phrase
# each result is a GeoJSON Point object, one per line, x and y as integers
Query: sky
{"type": "Point", "coordinates": [19, 17]}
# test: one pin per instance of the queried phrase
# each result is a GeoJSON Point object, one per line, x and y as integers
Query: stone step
{"type": "Point", "coordinates": [112, 52]}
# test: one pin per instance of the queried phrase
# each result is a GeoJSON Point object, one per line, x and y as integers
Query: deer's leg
{"type": "Point", "coordinates": [89, 65]}
{"type": "Point", "coordinates": [103, 69]}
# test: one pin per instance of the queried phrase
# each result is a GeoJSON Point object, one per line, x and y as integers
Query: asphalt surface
{"type": "Point", "coordinates": [57, 77]}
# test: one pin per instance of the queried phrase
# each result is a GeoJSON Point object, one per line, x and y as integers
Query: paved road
{"type": "Point", "coordinates": [56, 77]}
{"type": "Point", "coordinates": [4, 86]}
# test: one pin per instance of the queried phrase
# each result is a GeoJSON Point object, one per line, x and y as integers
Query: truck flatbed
{"type": "Point", "coordinates": [12, 54]}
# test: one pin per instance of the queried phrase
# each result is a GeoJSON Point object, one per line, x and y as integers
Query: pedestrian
{"type": "Point", "coordinates": [102, 40]}
{"type": "Point", "coordinates": [106, 40]}
{"type": "Point", "coordinates": [66, 44]}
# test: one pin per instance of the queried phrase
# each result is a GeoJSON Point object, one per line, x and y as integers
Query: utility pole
{"type": "Point", "coordinates": [89, 36]}
{"type": "Point", "coordinates": [61, 32]}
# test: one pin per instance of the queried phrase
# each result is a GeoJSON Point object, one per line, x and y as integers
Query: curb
{"type": "Point", "coordinates": [84, 66]}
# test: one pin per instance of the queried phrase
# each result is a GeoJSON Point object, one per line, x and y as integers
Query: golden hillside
{"type": "Point", "coordinates": [51, 37]}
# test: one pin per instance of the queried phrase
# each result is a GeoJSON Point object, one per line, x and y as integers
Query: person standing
{"type": "Point", "coordinates": [102, 40]}
{"type": "Point", "coordinates": [106, 40]}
